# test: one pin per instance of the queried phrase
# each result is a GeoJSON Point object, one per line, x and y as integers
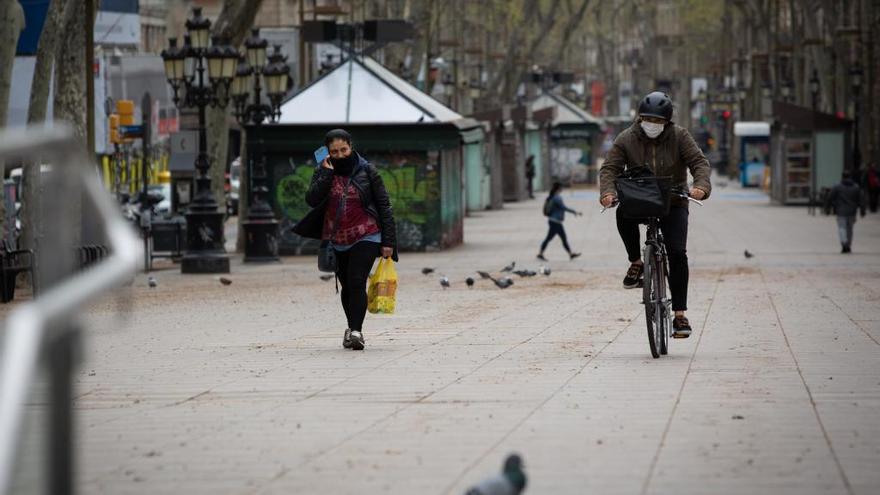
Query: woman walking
{"type": "Point", "coordinates": [554, 209]}
{"type": "Point", "coordinates": [358, 222]}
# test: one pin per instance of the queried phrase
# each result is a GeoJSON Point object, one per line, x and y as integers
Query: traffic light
{"type": "Point", "coordinates": [125, 109]}
{"type": "Point", "coordinates": [725, 115]}
{"type": "Point", "coordinates": [114, 129]}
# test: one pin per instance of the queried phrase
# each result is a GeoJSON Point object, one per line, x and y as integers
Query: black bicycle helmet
{"type": "Point", "coordinates": [656, 104]}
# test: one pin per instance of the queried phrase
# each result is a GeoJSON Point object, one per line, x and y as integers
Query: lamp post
{"type": "Point", "coordinates": [185, 69]}
{"type": "Point", "coordinates": [261, 228]}
{"type": "Point", "coordinates": [814, 89]}
{"type": "Point", "coordinates": [855, 79]}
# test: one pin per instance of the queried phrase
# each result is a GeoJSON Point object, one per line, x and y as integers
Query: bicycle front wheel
{"type": "Point", "coordinates": [650, 299]}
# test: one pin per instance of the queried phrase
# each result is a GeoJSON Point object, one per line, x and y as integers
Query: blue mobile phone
{"type": "Point", "coordinates": [320, 154]}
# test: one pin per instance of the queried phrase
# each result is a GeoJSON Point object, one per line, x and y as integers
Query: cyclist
{"type": "Point", "coordinates": [667, 149]}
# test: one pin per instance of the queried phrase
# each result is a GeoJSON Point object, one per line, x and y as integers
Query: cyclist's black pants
{"type": "Point", "coordinates": [675, 228]}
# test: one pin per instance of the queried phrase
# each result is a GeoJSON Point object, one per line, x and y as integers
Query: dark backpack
{"type": "Point", "coordinates": [548, 206]}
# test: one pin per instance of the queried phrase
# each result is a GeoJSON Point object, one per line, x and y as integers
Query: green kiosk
{"type": "Point", "coordinates": [421, 148]}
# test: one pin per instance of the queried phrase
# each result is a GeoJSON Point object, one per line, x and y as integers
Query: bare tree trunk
{"type": "Point", "coordinates": [70, 89]}
{"type": "Point", "coordinates": [232, 25]}
{"type": "Point", "coordinates": [39, 101]}
{"type": "Point", "coordinates": [11, 25]}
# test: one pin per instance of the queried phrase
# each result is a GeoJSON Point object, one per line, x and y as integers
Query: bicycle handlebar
{"type": "Point", "coordinates": [681, 193]}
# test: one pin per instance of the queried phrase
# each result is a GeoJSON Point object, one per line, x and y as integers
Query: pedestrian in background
{"type": "Point", "coordinates": [530, 175]}
{"type": "Point", "coordinates": [554, 210]}
{"type": "Point", "coordinates": [846, 199]}
{"type": "Point", "coordinates": [871, 184]}
{"type": "Point", "coordinates": [358, 221]}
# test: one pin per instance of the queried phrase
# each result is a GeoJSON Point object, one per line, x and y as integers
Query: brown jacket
{"type": "Point", "coordinates": [672, 153]}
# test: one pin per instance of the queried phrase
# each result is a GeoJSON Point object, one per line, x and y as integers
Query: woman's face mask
{"type": "Point", "coordinates": [652, 129]}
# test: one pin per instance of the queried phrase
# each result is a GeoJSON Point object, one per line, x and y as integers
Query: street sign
{"type": "Point", "coordinates": [131, 131]}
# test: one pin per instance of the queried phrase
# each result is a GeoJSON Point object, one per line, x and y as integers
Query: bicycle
{"type": "Point", "coordinates": [655, 283]}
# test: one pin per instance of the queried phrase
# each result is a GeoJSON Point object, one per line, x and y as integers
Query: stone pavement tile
{"type": "Point", "coordinates": [591, 434]}
{"type": "Point", "coordinates": [420, 438]}
{"type": "Point", "coordinates": [749, 426]}
{"type": "Point", "coordinates": [854, 430]}
{"type": "Point", "coordinates": [158, 482]}
{"type": "Point", "coordinates": [105, 446]}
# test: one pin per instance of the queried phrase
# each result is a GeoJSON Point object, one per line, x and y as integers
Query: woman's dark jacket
{"type": "Point", "coordinates": [373, 195]}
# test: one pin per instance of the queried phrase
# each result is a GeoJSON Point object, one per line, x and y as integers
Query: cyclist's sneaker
{"type": "Point", "coordinates": [681, 328]}
{"type": "Point", "coordinates": [357, 340]}
{"type": "Point", "coordinates": [633, 276]}
{"type": "Point", "coordinates": [573, 255]}
{"type": "Point", "coordinates": [541, 257]}
{"type": "Point", "coordinates": [346, 339]}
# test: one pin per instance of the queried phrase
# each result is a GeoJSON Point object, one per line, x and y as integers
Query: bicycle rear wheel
{"type": "Point", "coordinates": [650, 299]}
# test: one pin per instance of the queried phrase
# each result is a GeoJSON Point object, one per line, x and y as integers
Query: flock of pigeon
{"type": "Point", "coordinates": [502, 282]}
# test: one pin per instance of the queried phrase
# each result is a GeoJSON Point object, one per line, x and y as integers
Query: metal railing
{"type": "Point", "coordinates": [42, 329]}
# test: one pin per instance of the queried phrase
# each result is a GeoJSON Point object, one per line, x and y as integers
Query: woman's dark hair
{"type": "Point", "coordinates": [335, 134]}
{"type": "Point", "coordinates": [555, 188]}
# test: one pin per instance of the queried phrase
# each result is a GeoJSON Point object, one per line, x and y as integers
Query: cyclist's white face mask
{"type": "Point", "coordinates": [651, 129]}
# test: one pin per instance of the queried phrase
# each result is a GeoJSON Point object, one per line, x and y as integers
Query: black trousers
{"type": "Point", "coordinates": [556, 228]}
{"type": "Point", "coordinates": [873, 195]}
{"type": "Point", "coordinates": [674, 228]}
{"type": "Point", "coordinates": [353, 269]}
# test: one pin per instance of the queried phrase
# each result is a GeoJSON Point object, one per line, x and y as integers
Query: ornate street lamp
{"type": "Point", "coordinates": [855, 79]}
{"type": "Point", "coordinates": [252, 77]}
{"type": "Point", "coordinates": [814, 89]}
{"type": "Point", "coordinates": [185, 69]}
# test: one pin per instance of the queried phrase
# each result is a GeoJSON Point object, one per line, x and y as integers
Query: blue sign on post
{"type": "Point", "coordinates": [131, 131]}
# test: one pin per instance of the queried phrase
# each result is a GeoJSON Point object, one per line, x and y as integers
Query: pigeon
{"type": "Point", "coordinates": [469, 281]}
{"type": "Point", "coordinates": [503, 282]}
{"type": "Point", "coordinates": [511, 481]}
{"type": "Point", "coordinates": [484, 274]}
{"type": "Point", "coordinates": [525, 273]}
{"type": "Point", "coordinates": [444, 281]}
{"type": "Point", "coordinates": [747, 254]}
{"type": "Point", "coordinates": [427, 271]}
{"type": "Point", "coordinates": [225, 281]}
{"type": "Point", "coordinates": [152, 282]}
{"type": "Point", "coordinates": [327, 278]}
{"type": "Point", "coordinates": [510, 267]}
{"type": "Point", "coordinates": [545, 270]}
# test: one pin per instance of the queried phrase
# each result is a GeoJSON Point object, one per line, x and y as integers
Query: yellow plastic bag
{"type": "Point", "coordinates": [382, 288]}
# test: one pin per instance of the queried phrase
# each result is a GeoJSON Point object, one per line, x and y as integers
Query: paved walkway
{"type": "Point", "coordinates": [245, 389]}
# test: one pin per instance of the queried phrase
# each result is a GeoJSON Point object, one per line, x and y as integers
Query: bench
{"type": "Point", "coordinates": [12, 262]}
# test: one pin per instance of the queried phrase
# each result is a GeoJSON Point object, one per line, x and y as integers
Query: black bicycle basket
{"type": "Point", "coordinates": [642, 194]}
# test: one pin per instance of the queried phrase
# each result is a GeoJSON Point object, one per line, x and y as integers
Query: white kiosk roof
{"type": "Point", "coordinates": [751, 129]}
{"type": "Point", "coordinates": [362, 91]}
{"type": "Point", "coordinates": [567, 112]}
